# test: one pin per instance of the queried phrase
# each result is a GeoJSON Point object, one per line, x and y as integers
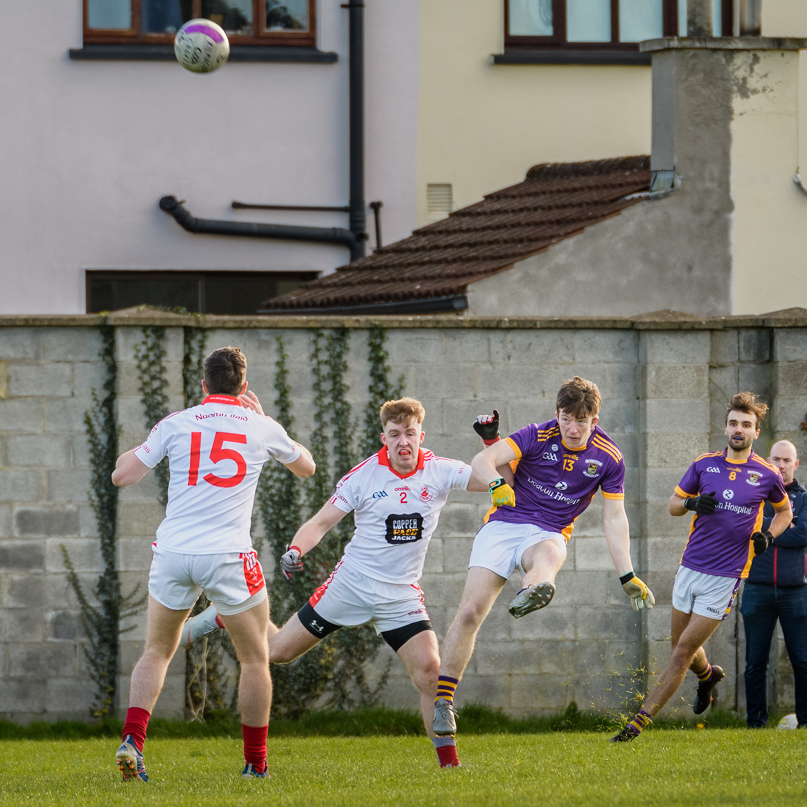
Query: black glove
{"type": "Point", "coordinates": [487, 427]}
{"type": "Point", "coordinates": [762, 540]}
{"type": "Point", "coordinates": [702, 505]}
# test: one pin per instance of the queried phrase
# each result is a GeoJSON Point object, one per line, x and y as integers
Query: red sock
{"type": "Point", "coordinates": [255, 745]}
{"type": "Point", "coordinates": [219, 622]}
{"type": "Point", "coordinates": [137, 721]}
{"type": "Point", "coordinates": [448, 756]}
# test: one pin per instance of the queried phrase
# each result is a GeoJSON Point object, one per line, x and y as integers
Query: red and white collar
{"type": "Point", "coordinates": [383, 459]}
{"type": "Point", "coordinates": [230, 400]}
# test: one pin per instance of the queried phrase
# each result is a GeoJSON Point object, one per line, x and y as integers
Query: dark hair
{"type": "Point", "coordinates": [402, 411]}
{"type": "Point", "coordinates": [579, 398]}
{"type": "Point", "coordinates": [225, 371]}
{"type": "Point", "coordinates": [747, 402]}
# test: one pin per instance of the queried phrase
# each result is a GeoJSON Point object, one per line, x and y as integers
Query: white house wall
{"type": "Point", "coordinates": [89, 147]}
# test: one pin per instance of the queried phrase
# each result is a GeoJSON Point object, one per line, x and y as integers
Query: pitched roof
{"type": "Point", "coordinates": [432, 269]}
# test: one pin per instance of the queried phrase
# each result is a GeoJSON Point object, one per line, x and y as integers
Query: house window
{"type": "Point", "coordinates": [600, 24]}
{"type": "Point", "coordinates": [233, 293]}
{"type": "Point", "coordinates": [247, 22]}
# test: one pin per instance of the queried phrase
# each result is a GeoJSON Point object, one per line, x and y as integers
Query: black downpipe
{"type": "Point", "coordinates": [358, 216]}
{"type": "Point", "coordinates": [356, 236]}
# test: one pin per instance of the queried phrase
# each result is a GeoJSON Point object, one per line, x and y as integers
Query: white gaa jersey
{"type": "Point", "coordinates": [215, 453]}
{"type": "Point", "coordinates": [395, 515]}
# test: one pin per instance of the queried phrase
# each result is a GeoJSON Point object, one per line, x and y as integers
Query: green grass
{"type": "Point", "coordinates": [672, 767]}
{"type": "Point", "coordinates": [474, 719]}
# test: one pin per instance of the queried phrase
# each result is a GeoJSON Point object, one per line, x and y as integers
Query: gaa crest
{"type": "Point", "coordinates": [425, 494]}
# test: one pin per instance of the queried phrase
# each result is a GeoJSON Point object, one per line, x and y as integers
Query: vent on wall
{"type": "Point", "coordinates": [439, 201]}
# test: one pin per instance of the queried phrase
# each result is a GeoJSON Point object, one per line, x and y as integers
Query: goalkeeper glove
{"type": "Point", "coordinates": [640, 595]}
{"type": "Point", "coordinates": [291, 561]}
{"type": "Point", "coordinates": [501, 493]}
{"type": "Point", "coordinates": [702, 505]}
{"type": "Point", "coordinates": [762, 540]}
{"type": "Point", "coordinates": [487, 427]}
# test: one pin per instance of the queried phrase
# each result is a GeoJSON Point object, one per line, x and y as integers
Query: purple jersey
{"type": "Point", "coordinates": [720, 543]}
{"type": "Point", "coordinates": [554, 484]}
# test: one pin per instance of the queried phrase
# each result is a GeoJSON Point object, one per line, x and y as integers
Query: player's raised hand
{"type": "Point", "coordinates": [487, 427]}
{"type": "Point", "coordinates": [291, 561]}
{"type": "Point", "coordinates": [640, 595]}
{"type": "Point", "coordinates": [762, 540]}
{"type": "Point", "coordinates": [704, 504]}
{"type": "Point", "coordinates": [250, 400]}
{"type": "Point", "coordinates": [501, 493]}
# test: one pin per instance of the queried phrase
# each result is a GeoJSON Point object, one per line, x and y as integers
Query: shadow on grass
{"type": "Point", "coordinates": [474, 718]}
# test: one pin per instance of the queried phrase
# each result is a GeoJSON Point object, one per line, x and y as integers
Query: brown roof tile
{"type": "Point", "coordinates": [554, 202]}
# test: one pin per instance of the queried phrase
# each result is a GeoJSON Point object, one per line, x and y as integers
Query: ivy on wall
{"type": "Point", "coordinates": [153, 377]}
{"type": "Point", "coordinates": [334, 673]}
{"type": "Point", "coordinates": [101, 621]}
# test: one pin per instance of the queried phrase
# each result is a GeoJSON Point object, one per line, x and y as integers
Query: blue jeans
{"type": "Point", "coordinates": [761, 606]}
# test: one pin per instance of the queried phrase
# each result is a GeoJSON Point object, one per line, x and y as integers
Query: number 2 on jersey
{"type": "Point", "coordinates": [217, 454]}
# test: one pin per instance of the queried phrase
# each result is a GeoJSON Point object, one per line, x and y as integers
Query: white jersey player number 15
{"type": "Point", "coordinates": [216, 453]}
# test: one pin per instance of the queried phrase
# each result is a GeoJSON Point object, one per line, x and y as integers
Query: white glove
{"type": "Point", "coordinates": [291, 561]}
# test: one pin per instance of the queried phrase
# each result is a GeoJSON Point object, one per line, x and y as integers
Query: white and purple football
{"type": "Point", "coordinates": [201, 46]}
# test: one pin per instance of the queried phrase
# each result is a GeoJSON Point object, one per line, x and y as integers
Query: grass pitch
{"type": "Point", "coordinates": [672, 767]}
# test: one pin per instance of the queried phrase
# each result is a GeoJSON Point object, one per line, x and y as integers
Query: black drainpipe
{"type": "Point", "coordinates": [358, 216]}
{"type": "Point", "coordinates": [356, 236]}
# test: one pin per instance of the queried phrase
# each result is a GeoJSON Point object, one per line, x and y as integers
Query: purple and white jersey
{"type": "Point", "coordinates": [720, 543]}
{"type": "Point", "coordinates": [554, 484]}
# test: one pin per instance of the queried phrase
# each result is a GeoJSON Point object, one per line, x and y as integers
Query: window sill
{"type": "Point", "coordinates": [165, 53]}
{"type": "Point", "coordinates": [603, 57]}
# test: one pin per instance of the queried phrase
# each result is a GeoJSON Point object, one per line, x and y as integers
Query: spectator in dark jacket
{"type": "Point", "coordinates": [776, 588]}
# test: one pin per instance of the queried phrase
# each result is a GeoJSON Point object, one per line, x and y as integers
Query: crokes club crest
{"type": "Point", "coordinates": [593, 468]}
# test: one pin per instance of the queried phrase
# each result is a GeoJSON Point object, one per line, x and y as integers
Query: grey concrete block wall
{"type": "Point", "coordinates": [665, 387]}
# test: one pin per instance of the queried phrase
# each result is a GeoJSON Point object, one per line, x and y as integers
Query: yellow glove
{"type": "Point", "coordinates": [501, 493]}
{"type": "Point", "coordinates": [640, 595]}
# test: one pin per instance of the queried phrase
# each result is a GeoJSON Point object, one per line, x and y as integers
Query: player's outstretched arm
{"type": "Point", "coordinates": [128, 470]}
{"type": "Point", "coordinates": [617, 536]}
{"type": "Point", "coordinates": [313, 531]}
{"type": "Point", "coordinates": [486, 474]}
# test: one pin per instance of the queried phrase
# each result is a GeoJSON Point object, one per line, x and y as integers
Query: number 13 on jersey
{"type": "Point", "coordinates": [218, 453]}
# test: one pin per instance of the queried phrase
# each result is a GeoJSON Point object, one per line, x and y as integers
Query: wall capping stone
{"type": "Point", "coordinates": [655, 320]}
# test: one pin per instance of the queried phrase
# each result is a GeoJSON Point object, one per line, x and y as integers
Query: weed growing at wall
{"type": "Point", "coordinates": [101, 621]}
{"type": "Point", "coordinates": [333, 674]}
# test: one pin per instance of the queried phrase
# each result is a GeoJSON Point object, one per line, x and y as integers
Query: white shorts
{"type": "Point", "coordinates": [349, 598]}
{"type": "Point", "coordinates": [499, 546]}
{"type": "Point", "coordinates": [704, 594]}
{"type": "Point", "coordinates": [233, 580]}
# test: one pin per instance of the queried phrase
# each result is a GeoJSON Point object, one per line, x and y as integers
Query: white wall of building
{"type": "Point", "coordinates": [89, 147]}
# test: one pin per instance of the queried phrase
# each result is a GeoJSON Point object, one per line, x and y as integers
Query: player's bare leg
{"type": "Point", "coordinates": [693, 630]}
{"type": "Point", "coordinates": [248, 633]}
{"type": "Point", "coordinates": [541, 564]}
{"type": "Point", "coordinates": [421, 658]}
{"type": "Point", "coordinates": [482, 587]}
{"type": "Point", "coordinates": [290, 642]}
{"type": "Point", "coordinates": [162, 639]}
